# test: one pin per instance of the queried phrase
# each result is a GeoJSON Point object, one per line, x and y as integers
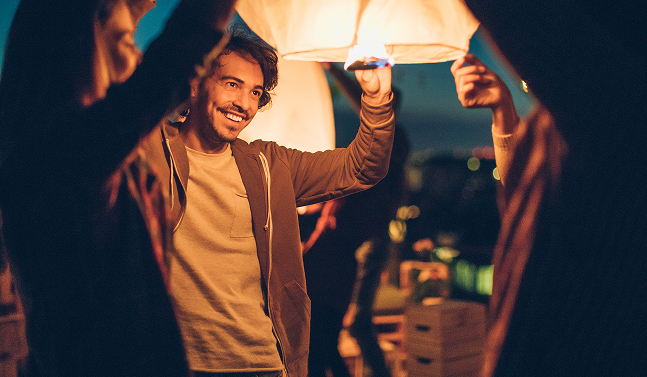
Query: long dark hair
{"type": "Point", "coordinates": [47, 62]}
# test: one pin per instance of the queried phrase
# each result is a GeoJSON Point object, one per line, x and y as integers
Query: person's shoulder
{"type": "Point", "coordinates": [257, 146]}
{"type": "Point", "coordinates": [170, 128]}
{"type": "Point", "coordinates": [241, 146]}
{"type": "Point", "coordinates": [165, 129]}
{"type": "Point", "coordinates": [271, 150]}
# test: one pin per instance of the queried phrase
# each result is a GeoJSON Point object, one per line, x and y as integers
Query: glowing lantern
{"type": "Point", "coordinates": [301, 115]}
{"type": "Point", "coordinates": [412, 31]}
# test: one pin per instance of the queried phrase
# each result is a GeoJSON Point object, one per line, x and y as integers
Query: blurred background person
{"type": "Point", "coordinates": [332, 269]}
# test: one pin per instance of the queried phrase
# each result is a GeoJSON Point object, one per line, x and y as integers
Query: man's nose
{"type": "Point", "coordinates": [241, 101]}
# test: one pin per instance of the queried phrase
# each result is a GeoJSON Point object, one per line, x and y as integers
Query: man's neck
{"type": "Point", "coordinates": [193, 140]}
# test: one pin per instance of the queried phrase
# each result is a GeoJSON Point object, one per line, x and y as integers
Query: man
{"type": "Point", "coordinates": [237, 276]}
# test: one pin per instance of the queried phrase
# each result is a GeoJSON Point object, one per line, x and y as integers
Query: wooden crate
{"type": "Point", "coordinates": [426, 366]}
{"type": "Point", "coordinates": [445, 339]}
{"type": "Point", "coordinates": [460, 349]}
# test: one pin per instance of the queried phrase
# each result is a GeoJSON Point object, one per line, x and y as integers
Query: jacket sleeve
{"type": "Point", "coordinates": [326, 175]}
{"type": "Point", "coordinates": [503, 147]}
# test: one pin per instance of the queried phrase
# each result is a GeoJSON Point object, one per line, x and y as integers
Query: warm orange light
{"type": "Point", "coordinates": [397, 230]}
{"type": "Point", "coordinates": [412, 31]}
{"type": "Point", "coordinates": [368, 56]}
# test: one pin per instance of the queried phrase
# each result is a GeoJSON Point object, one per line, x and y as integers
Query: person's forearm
{"type": "Point", "coordinates": [505, 119]}
{"type": "Point", "coordinates": [159, 84]}
{"type": "Point", "coordinates": [379, 121]}
{"type": "Point", "coordinates": [377, 100]}
{"type": "Point", "coordinates": [193, 31]}
{"type": "Point", "coordinates": [344, 171]}
{"type": "Point", "coordinates": [504, 145]}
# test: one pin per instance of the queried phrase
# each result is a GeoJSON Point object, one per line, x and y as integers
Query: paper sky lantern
{"type": "Point", "coordinates": [301, 115]}
{"type": "Point", "coordinates": [412, 31]}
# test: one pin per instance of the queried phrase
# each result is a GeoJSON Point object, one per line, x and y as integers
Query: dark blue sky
{"type": "Point", "coordinates": [430, 110]}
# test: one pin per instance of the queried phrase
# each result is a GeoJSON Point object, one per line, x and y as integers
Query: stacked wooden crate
{"type": "Point", "coordinates": [446, 339]}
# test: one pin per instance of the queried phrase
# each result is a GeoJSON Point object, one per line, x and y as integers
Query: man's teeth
{"type": "Point", "coordinates": [233, 117]}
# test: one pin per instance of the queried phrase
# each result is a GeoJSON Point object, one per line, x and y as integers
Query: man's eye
{"type": "Point", "coordinates": [257, 93]}
{"type": "Point", "coordinates": [231, 84]}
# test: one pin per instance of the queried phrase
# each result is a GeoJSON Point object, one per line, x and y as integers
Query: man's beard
{"type": "Point", "coordinates": [212, 134]}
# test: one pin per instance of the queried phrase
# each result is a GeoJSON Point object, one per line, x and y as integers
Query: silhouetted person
{"type": "Point", "coordinates": [84, 221]}
{"type": "Point", "coordinates": [569, 265]}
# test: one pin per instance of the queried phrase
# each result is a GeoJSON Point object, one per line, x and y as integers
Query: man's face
{"type": "Point", "coordinates": [227, 101]}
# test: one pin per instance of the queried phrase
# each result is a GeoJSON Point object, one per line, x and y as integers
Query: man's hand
{"type": "Point", "coordinates": [376, 84]}
{"type": "Point", "coordinates": [478, 87]}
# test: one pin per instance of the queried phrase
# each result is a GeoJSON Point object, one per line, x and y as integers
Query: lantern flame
{"type": "Point", "coordinates": [368, 56]}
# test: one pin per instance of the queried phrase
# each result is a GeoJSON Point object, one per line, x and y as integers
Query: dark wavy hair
{"type": "Point", "coordinates": [252, 48]}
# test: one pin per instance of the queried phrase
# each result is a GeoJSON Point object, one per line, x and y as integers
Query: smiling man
{"type": "Point", "coordinates": [236, 275]}
{"type": "Point", "coordinates": [224, 104]}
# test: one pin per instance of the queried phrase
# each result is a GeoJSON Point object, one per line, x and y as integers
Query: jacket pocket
{"type": "Point", "coordinates": [294, 322]}
{"type": "Point", "coordinates": [241, 227]}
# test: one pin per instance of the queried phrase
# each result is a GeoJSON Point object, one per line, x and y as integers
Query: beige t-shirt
{"type": "Point", "coordinates": [215, 275]}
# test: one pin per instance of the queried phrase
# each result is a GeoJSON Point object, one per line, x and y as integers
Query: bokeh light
{"type": "Point", "coordinates": [473, 163]}
{"type": "Point", "coordinates": [495, 174]}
